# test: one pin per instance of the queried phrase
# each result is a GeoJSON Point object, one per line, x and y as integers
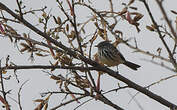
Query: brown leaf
{"type": "Point", "coordinates": [40, 106]}
{"type": "Point", "coordinates": [44, 15]}
{"type": "Point", "coordinates": [130, 2]}
{"type": "Point", "coordinates": [58, 55]}
{"type": "Point", "coordinates": [24, 45]}
{"type": "Point", "coordinates": [128, 18]}
{"type": "Point", "coordinates": [4, 71]}
{"type": "Point", "coordinates": [46, 106]}
{"type": "Point", "coordinates": [138, 17]}
{"type": "Point", "coordinates": [23, 49]}
{"type": "Point", "coordinates": [2, 100]}
{"type": "Point", "coordinates": [159, 50]}
{"type": "Point", "coordinates": [1, 29]}
{"type": "Point", "coordinates": [154, 26]}
{"type": "Point", "coordinates": [51, 50]}
{"type": "Point", "coordinates": [58, 20]}
{"type": "Point", "coordinates": [150, 28]}
{"type": "Point", "coordinates": [41, 55]}
{"type": "Point", "coordinates": [71, 8]}
{"type": "Point", "coordinates": [96, 24]}
{"type": "Point", "coordinates": [124, 10]}
{"type": "Point", "coordinates": [54, 77]}
{"type": "Point", "coordinates": [67, 27]}
{"type": "Point", "coordinates": [38, 100]}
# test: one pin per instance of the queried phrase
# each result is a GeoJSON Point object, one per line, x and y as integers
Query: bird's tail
{"type": "Point", "coordinates": [132, 65]}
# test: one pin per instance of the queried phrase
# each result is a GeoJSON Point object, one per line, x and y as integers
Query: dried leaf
{"type": "Point", "coordinates": [113, 25]}
{"type": "Point", "coordinates": [41, 55]}
{"type": "Point", "coordinates": [128, 18]}
{"type": "Point", "coordinates": [46, 106]}
{"type": "Point", "coordinates": [51, 50]}
{"type": "Point", "coordinates": [101, 33]}
{"type": "Point", "coordinates": [38, 100]}
{"type": "Point", "coordinates": [44, 15]}
{"type": "Point", "coordinates": [58, 54]}
{"type": "Point", "coordinates": [1, 29]}
{"type": "Point", "coordinates": [124, 10]}
{"type": "Point", "coordinates": [58, 20]}
{"type": "Point", "coordinates": [66, 60]}
{"type": "Point", "coordinates": [24, 45]}
{"type": "Point", "coordinates": [54, 77]}
{"type": "Point", "coordinates": [138, 17]}
{"type": "Point", "coordinates": [72, 35]}
{"type": "Point", "coordinates": [39, 107]}
{"type": "Point", "coordinates": [71, 8]}
{"type": "Point", "coordinates": [150, 28]}
{"type": "Point", "coordinates": [23, 49]}
{"type": "Point", "coordinates": [4, 71]}
{"type": "Point", "coordinates": [130, 2]}
{"type": "Point", "coordinates": [2, 100]}
{"type": "Point", "coordinates": [96, 24]}
{"type": "Point", "coordinates": [153, 26]}
{"type": "Point", "coordinates": [67, 27]}
{"type": "Point", "coordinates": [159, 51]}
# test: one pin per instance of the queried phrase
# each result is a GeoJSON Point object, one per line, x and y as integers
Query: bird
{"type": "Point", "coordinates": [109, 55]}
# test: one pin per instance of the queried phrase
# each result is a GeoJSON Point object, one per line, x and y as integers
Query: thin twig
{"type": "Point", "coordinates": [3, 89]}
{"type": "Point", "coordinates": [91, 62]}
{"type": "Point", "coordinates": [20, 67]}
{"type": "Point", "coordinates": [172, 60]}
{"type": "Point", "coordinates": [67, 102]}
{"type": "Point", "coordinates": [161, 64]}
{"type": "Point", "coordinates": [19, 95]}
{"type": "Point", "coordinates": [159, 2]}
{"type": "Point", "coordinates": [20, 9]}
{"type": "Point", "coordinates": [141, 108]}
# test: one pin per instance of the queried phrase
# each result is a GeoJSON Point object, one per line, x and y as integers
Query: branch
{"type": "Point", "coordinates": [20, 9]}
{"type": "Point", "coordinates": [19, 95]}
{"type": "Point", "coordinates": [93, 63]}
{"type": "Point", "coordinates": [123, 41]}
{"type": "Point", "coordinates": [166, 18]}
{"type": "Point", "coordinates": [17, 67]}
{"type": "Point", "coordinates": [4, 100]}
{"type": "Point", "coordinates": [74, 24]}
{"type": "Point", "coordinates": [173, 61]}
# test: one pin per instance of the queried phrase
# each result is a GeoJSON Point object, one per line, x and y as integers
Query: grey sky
{"type": "Point", "coordinates": [147, 74]}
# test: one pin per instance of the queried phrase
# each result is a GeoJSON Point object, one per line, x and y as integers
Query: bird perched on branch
{"type": "Point", "coordinates": [108, 54]}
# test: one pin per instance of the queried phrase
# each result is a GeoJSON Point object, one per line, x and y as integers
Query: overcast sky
{"type": "Point", "coordinates": [40, 82]}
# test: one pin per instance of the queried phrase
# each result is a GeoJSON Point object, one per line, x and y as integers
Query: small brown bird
{"type": "Point", "coordinates": [108, 54]}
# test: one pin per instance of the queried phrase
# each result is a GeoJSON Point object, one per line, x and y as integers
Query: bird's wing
{"type": "Point", "coordinates": [116, 52]}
